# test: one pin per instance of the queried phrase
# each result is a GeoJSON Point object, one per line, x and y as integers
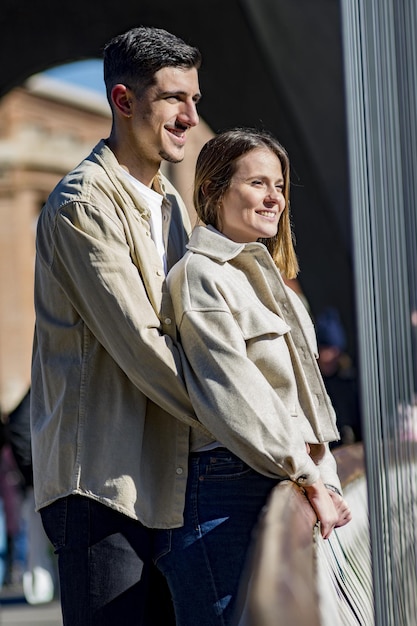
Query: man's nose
{"type": "Point", "coordinates": [189, 114]}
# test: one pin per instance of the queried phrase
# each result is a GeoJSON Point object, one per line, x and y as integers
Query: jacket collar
{"type": "Point", "coordinates": [213, 244]}
{"type": "Point", "coordinates": [109, 162]}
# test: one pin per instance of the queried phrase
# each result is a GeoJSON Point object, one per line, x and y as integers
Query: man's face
{"type": "Point", "coordinates": [164, 113]}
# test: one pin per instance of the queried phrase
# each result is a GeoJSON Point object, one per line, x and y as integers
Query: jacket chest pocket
{"type": "Point", "coordinates": [258, 322]}
{"type": "Point", "coordinates": [266, 339]}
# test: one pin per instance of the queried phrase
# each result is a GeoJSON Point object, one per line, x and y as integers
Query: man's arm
{"type": "Point", "coordinates": [90, 257]}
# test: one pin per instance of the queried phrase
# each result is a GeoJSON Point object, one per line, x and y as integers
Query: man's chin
{"type": "Point", "coordinates": [172, 158]}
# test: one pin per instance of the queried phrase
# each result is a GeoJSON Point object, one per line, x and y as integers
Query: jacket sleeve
{"type": "Point", "coordinates": [325, 461]}
{"type": "Point", "coordinates": [231, 396]}
{"type": "Point", "coordinates": [89, 256]}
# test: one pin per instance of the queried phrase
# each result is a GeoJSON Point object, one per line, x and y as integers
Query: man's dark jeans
{"type": "Point", "coordinates": [105, 569]}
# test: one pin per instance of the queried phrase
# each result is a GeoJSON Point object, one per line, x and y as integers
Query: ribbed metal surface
{"type": "Point", "coordinates": [381, 85]}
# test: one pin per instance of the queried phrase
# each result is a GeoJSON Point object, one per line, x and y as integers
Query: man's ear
{"type": "Point", "coordinates": [122, 100]}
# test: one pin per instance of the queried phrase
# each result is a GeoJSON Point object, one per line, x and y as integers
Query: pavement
{"type": "Point", "coordinates": [15, 611]}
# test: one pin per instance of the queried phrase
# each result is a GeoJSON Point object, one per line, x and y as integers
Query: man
{"type": "Point", "coordinates": [110, 414]}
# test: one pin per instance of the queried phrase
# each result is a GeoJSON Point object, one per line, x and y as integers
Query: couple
{"type": "Point", "coordinates": [164, 410]}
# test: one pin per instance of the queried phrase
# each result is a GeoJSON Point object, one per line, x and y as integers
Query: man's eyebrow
{"type": "Point", "coordinates": [179, 92]}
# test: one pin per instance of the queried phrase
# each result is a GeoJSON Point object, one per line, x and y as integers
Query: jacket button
{"type": "Point", "coordinates": [179, 471]}
{"type": "Point", "coordinates": [168, 320]}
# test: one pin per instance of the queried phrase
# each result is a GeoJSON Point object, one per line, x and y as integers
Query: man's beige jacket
{"type": "Point", "coordinates": [110, 414]}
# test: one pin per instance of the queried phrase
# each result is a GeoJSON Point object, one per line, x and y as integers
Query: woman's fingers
{"type": "Point", "coordinates": [343, 511]}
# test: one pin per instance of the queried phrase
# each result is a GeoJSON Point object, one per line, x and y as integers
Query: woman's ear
{"type": "Point", "coordinates": [121, 97]}
{"type": "Point", "coordinates": [205, 188]}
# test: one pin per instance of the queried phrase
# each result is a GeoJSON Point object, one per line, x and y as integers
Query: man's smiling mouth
{"type": "Point", "coordinates": [178, 131]}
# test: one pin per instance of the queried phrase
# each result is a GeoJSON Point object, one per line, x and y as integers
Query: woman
{"type": "Point", "coordinates": [251, 373]}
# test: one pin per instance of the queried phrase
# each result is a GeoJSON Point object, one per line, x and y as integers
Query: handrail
{"type": "Point", "coordinates": [294, 577]}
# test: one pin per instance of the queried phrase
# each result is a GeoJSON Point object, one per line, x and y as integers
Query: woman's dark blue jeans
{"type": "Point", "coordinates": [105, 568]}
{"type": "Point", "coordinates": [203, 561]}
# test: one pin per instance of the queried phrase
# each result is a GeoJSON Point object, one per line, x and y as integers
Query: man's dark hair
{"type": "Point", "coordinates": [134, 57]}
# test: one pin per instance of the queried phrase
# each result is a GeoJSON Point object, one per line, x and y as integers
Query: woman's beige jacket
{"type": "Point", "coordinates": [251, 367]}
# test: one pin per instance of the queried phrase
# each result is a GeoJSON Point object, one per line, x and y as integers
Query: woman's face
{"type": "Point", "coordinates": [254, 202]}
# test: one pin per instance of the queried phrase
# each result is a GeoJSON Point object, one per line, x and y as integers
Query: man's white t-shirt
{"type": "Point", "coordinates": [153, 201]}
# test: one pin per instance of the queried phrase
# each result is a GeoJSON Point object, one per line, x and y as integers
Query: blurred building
{"type": "Point", "coordinates": [46, 128]}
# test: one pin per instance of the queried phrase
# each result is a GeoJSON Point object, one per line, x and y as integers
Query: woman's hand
{"type": "Point", "coordinates": [341, 507]}
{"type": "Point", "coordinates": [323, 504]}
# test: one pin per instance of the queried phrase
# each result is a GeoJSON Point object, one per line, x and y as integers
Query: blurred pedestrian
{"type": "Point", "coordinates": [39, 564]}
{"type": "Point", "coordinates": [339, 375]}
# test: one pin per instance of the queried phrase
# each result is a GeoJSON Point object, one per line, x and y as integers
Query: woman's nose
{"type": "Point", "coordinates": [273, 195]}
